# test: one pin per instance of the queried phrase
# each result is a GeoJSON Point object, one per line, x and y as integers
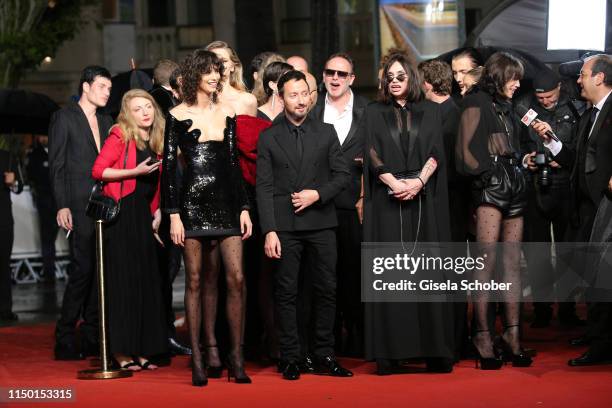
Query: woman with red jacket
{"type": "Point", "coordinates": [129, 164]}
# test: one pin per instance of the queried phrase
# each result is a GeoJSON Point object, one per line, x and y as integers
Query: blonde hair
{"type": "Point", "coordinates": [235, 78]}
{"type": "Point", "coordinates": [130, 129]}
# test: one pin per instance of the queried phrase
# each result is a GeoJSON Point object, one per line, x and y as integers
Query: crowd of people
{"type": "Point", "coordinates": [274, 190]}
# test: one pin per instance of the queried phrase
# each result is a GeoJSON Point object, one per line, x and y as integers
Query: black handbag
{"type": "Point", "coordinates": [101, 206]}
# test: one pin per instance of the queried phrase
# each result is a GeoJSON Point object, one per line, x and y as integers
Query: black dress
{"type": "Point", "coordinates": [213, 193]}
{"type": "Point", "coordinates": [136, 315]}
{"type": "Point", "coordinates": [399, 141]}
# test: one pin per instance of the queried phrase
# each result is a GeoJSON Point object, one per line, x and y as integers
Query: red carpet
{"type": "Point", "coordinates": [26, 361]}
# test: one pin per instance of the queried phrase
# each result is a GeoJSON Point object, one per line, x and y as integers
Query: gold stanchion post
{"type": "Point", "coordinates": [104, 372]}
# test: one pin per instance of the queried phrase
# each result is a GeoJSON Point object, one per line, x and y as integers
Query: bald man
{"type": "Point", "coordinates": [298, 63]}
{"type": "Point", "coordinates": [314, 93]}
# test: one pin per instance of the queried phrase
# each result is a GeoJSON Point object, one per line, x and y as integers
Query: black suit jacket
{"type": "Point", "coordinates": [72, 152]}
{"type": "Point", "coordinates": [322, 168]}
{"type": "Point", "coordinates": [598, 161]}
{"type": "Point", "coordinates": [352, 148]}
{"type": "Point", "coordinates": [164, 98]}
{"type": "Point", "coordinates": [8, 162]}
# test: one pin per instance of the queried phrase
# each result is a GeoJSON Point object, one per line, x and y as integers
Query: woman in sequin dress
{"type": "Point", "coordinates": [213, 205]}
{"type": "Point", "coordinates": [233, 93]}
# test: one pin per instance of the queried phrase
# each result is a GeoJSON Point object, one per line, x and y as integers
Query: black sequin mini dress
{"type": "Point", "coordinates": [213, 193]}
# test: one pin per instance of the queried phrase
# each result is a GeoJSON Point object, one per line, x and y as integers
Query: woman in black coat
{"type": "Point", "coordinates": [405, 155]}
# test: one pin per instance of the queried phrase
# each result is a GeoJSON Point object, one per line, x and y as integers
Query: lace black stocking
{"type": "Point", "coordinates": [231, 252]}
{"type": "Point", "coordinates": [193, 303]}
{"type": "Point", "coordinates": [210, 294]}
{"type": "Point", "coordinates": [488, 226]}
{"type": "Point", "coordinates": [512, 237]}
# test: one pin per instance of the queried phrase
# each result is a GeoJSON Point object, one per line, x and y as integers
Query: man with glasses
{"type": "Point", "coordinates": [590, 183]}
{"type": "Point", "coordinates": [344, 110]}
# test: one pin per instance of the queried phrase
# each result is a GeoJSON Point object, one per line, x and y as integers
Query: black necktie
{"type": "Point", "coordinates": [299, 148]}
{"type": "Point", "coordinates": [592, 120]}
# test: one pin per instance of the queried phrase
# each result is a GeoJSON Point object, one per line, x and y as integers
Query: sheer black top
{"type": "Point", "coordinates": [488, 127]}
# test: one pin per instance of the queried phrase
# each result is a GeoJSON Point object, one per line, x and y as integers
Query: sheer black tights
{"type": "Point", "coordinates": [200, 296]}
{"type": "Point", "coordinates": [491, 227]}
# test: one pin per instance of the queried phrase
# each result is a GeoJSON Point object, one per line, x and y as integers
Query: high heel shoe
{"type": "Point", "coordinates": [487, 363]}
{"type": "Point", "coordinates": [214, 371]}
{"type": "Point", "coordinates": [522, 359]}
{"type": "Point", "coordinates": [198, 376]}
{"type": "Point", "coordinates": [237, 370]}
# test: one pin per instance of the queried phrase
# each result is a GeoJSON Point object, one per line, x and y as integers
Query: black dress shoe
{"type": "Point", "coordinates": [8, 316]}
{"type": "Point", "coordinates": [177, 349]}
{"type": "Point", "coordinates": [579, 341]}
{"type": "Point", "coordinates": [67, 352]}
{"type": "Point", "coordinates": [291, 371]}
{"type": "Point", "coordinates": [306, 366]}
{"type": "Point", "coordinates": [589, 359]}
{"type": "Point", "coordinates": [329, 365]}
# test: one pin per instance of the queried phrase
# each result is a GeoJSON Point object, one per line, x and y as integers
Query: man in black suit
{"type": "Point", "coordinates": [76, 134]}
{"type": "Point", "coordinates": [437, 86]}
{"type": "Point", "coordinates": [168, 255]}
{"type": "Point", "coordinates": [589, 180]}
{"type": "Point", "coordinates": [10, 180]}
{"type": "Point", "coordinates": [300, 170]}
{"type": "Point", "coordinates": [345, 110]}
{"type": "Point", "coordinates": [162, 91]}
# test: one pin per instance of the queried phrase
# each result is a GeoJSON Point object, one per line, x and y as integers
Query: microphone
{"type": "Point", "coordinates": [529, 117]}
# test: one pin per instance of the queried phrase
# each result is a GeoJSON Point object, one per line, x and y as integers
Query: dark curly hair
{"type": "Point", "coordinates": [198, 63]}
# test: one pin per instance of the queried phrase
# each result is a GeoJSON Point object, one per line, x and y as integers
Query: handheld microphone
{"type": "Point", "coordinates": [529, 117]}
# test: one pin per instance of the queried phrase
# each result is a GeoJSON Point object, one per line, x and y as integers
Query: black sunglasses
{"type": "Point", "coordinates": [332, 72]}
{"type": "Point", "coordinates": [399, 77]}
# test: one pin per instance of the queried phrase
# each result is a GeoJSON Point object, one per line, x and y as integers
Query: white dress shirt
{"type": "Point", "coordinates": [341, 120]}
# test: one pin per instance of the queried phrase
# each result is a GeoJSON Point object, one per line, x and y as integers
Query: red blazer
{"type": "Point", "coordinates": [112, 156]}
{"type": "Point", "coordinates": [248, 129]}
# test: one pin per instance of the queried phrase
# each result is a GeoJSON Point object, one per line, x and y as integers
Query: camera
{"type": "Point", "coordinates": [544, 170]}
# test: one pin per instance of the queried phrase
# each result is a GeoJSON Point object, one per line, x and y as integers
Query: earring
{"type": "Point", "coordinates": [273, 100]}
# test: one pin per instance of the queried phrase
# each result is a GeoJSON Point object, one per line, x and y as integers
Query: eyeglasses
{"type": "Point", "coordinates": [399, 77]}
{"type": "Point", "coordinates": [332, 72]}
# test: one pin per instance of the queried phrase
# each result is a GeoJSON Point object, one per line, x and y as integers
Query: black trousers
{"type": "Point", "coordinates": [319, 246]}
{"type": "Point", "coordinates": [599, 314]}
{"type": "Point", "coordinates": [81, 294]}
{"type": "Point", "coordinates": [47, 226]}
{"type": "Point", "coordinates": [538, 223]}
{"type": "Point", "coordinates": [6, 247]}
{"type": "Point", "coordinates": [349, 311]}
